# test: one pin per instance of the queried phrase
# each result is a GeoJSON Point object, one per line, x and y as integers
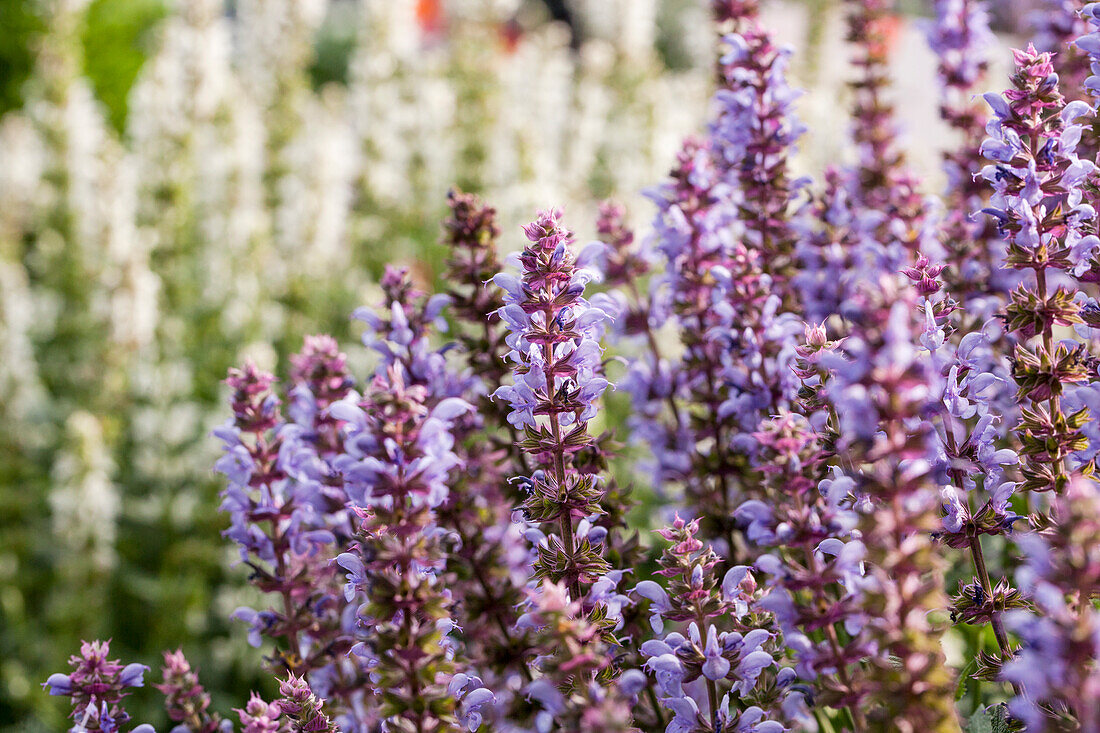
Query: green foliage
{"type": "Point", "coordinates": [993, 719]}
{"type": "Point", "coordinates": [21, 26]}
{"type": "Point", "coordinates": [980, 722]}
{"type": "Point", "coordinates": [117, 39]}
{"type": "Point", "coordinates": [334, 46]}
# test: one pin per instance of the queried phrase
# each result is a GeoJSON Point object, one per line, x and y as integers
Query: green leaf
{"type": "Point", "coordinates": [998, 714]}
{"type": "Point", "coordinates": [117, 37]}
{"type": "Point", "coordinates": [980, 722]}
{"type": "Point", "coordinates": [964, 681]}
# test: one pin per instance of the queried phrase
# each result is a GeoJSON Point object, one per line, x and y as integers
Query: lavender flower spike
{"type": "Point", "coordinates": [400, 468]}
{"type": "Point", "coordinates": [1038, 183]}
{"type": "Point", "coordinates": [554, 341]}
{"type": "Point", "coordinates": [1056, 664]}
{"type": "Point", "coordinates": [184, 697]}
{"type": "Point", "coordinates": [96, 687]}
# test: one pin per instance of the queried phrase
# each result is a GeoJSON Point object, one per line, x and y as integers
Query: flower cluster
{"type": "Point", "coordinates": [185, 699]}
{"type": "Point", "coordinates": [287, 506]}
{"type": "Point", "coordinates": [963, 43]}
{"type": "Point", "coordinates": [755, 132]}
{"type": "Point", "coordinates": [1056, 27]}
{"type": "Point", "coordinates": [1039, 208]}
{"type": "Point", "coordinates": [400, 454]}
{"type": "Point", "coordinates": [1055, 669]}
{"type": "Point", "coordinates": [302, 708]}
{"type": "Point", "coordinates": [224, 198]}
{"type": "Point", "coordinates": [96, 686]}
{"type": "Point", "coordinates": [574, 690]}
{"type": "Point", "coordinates": [724, 232]}
{"type": "Point", "coordinates": [802, 530]}
{"type": "Point", "coordinates": [723, 655]}
{"type": "Point", "coordinates": [872, 28]}
{"type": "Point", "coordinates": [470, 234]}
{"type": "Point", "coordinates": [554, 341]}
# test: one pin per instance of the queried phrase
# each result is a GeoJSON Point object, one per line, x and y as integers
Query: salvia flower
{"type": "Point", "coordinates": [470, 233]}
{"type": "Point", "coordinates": [1055, 668]}
{"type": "Point", "coordinates": [735, 337]}
{"type": "Point", "coordinates": [488, 560]}
{"type": "Point", "coordinates": [755, 134]}
{"type": "Point", "coordinates": [880, 391]}
{"type": "Point", "coordinates": [966, 442]}
{"type": "Point", "coordinates": [285, 511]}
{"type": "Point", "coordinates": [832, 250]}
{"type": "Point", "coordinates": [624, 263]}
{"type": "Point", "coordinates": [259, 716]}
{"type": "Point", "coordinates": [302, 708]}
{"type": "Point", "coordinates": [397, 473]}
{"type": "Point", "coordinates": [1056, 25]}
{"type": "Point", "coordinates": [721, 660]}
{"type": "Point", "coordinates": [1038, 204]}
{"type": "Point", "coordinates": [734, 12]}
{"type": "Point", "coordinates": [185, 699]}
{"type": "Point", "coordinates": [824, 378]}
{"type": "Point", "coordinates": [573, 689]}
{"type": "Point", "coordinates": [1090, 44]}
{"type": "Point", "coordinates": [697, 234]}
{"type": "Point", "coordinates": [871, 28]}
{"type": "Point", "coordinates": [554, 340]}
{"type": "Point", "coordinates": [397, 332]}
{"type": "Point", "coordinates": [96, 687]}
{"type": "Point", "coordinates": [963, 43]}
{"type": "Point", "coordinates": [320, 377]}
{"type": "Point", "coordinates": [803, 543]}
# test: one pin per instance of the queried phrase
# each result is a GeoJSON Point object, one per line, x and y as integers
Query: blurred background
{"type": "Point", "coordinates": [183, 184]}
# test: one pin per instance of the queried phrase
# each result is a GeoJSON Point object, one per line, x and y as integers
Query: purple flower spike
{"type": "Point", "coordinates": [724, 654]}
{"type": "Point", "coordinates": [184, 697]}
{"type": "Point", "coordinates": [402, 480]}
{"type": "Point", "coordinates": [96, 687]}
{"type": "Point", "coordinates": [557, 380]}
{"type": "Point", "coordinates": [1039, 184]}
{"type": "Point", "coordinates": [1055, 668]}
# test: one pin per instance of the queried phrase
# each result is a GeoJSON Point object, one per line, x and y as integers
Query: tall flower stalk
{"type": "Point", "coordinates": [287, 505]}
{"type": "Point", "coordinates": [871, 28]}
{"type": "Point", "coordinates": [470, 234]}
{"type": "Point", "coordinates": [557, 379]}
{"type": "Point", "coordinates": [488, 570]}
{"type": "Point", "coordinates": [723, 228]}
{"type": "Point", "coordinates": [879, 391]}
{"type": "Point", "coordinates": [1037, 179]}
{"type": "Point", "coordinates": [275, 520]}
{"type": "Point", "coordinates": [1056, 665]}
{"type": "Point", "coordinates": [801, 526]}
{"type": "Point", "coordinates": [397, 470]}
{"type": "Point", "coordinates": [756, 132]}
{"type": "Point", "coordinates": [967, 432]}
